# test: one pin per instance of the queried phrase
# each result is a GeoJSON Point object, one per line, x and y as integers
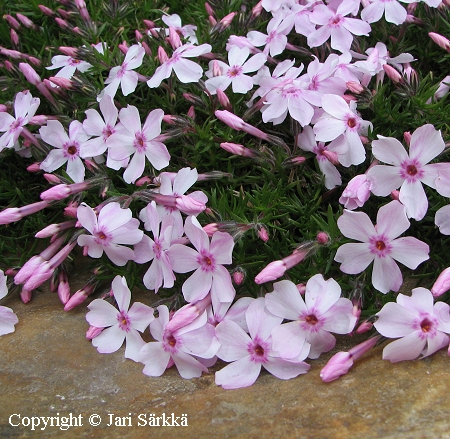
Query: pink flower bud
{"type": "Point", "coordinates": [189, 205]}
{"type": "Point", "coordinates": [323, 238]}
{"type": "Point", "coordinates": [364, 327]}
{"type": "Point", "coordinates": [25, 295]}
{"type": "Point", "coordinates": [226, 21]}
{"type": "Point", "coordinates": [393, 74]}
{"type": "Point", "coordinates": [440, 40]}
{"type": "Point", "coordinates": [60, 22]}
{"type": "Point", "coordinates": [301, 288]}
{"type": "Point", "coordinates": [407, 137]}
{"type": "Point", "coordinates": [210, 229]}
{"type": "Point", "coordinates": [236, 149]}
{"type": "Point", "coordinates": [14, 214]}
{"type": "Point", "coordinates": [209, 9]}
{"type": "Point", "coordinates": [45, 10]}
{"type": "Point", "coordinates": [262, 233]}
{"type": "Point", "coordinates": [40, 119]}
{"type": "Point", "coordinates": [349, 98]}
{"type": "Point", "coordinates": [64, 83]}
{"type": "Point", "coordinates": [12, 22]}
{"type": "Point", "coordinates": [238, 276]}
{"type": "Point", "coordinates": [14, 37]}
{"type": "Point", "coordinates": [238, 124]}
{"type": "Point", "coordinates": [26, 21]}
{"type": "Point", "coordinates": [52, 179]}
{"type": "Point", "coordinates": [442, 284]}
{"type": "Point", "coordinates": [162, 55]}
{"type": "Point", "coordinates": [216, 70]}
{"type": "Point", "coordinates": [123, 47]}
{"type": "Point", "coordinates": [143, 180]}
{"type": "Point", "coordinates": [395, 195]}
{"type": "Point", "coordinates": [355, 87]}
{"type": "Point", "coordinates": [54, 229]}
{"type": "Point", "coordinates": [62, 191]}
{"type": "Point", "coordinates": [191, 112]}
{"type": "Point", "coordinates": [212, 20]}
{"type": "Point", "coordinates": [271, 272]}
{"type": "Point", "coordinates": [331, 156]}
{"type": "Point", "coordinates": [71, 209]}
{"type": "Point", "coordinates": [257, 9]}
{"type": "Point", "coordinates": [63, 287]}
{"type": "Point", "coordinates": [174, 38]}
{"type": "Point", "coordinates": [92, 332]}
{"type": "Point", "coordinates": [35, 167]}
{"type": "Point", "coordinates": [149, 24]}
{"type": "Point", "coordinates": [80, 296]}
{"type": "Point", "coordinates": [223, 99]}
{"type": "Point", "coordinates": [356, 193]}
{"type": "Point", "coordinates": [338, 365]}
{"type": "Point", "coordinates": [30, 74]}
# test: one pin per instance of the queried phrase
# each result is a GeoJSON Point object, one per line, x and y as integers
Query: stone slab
{"type": "Point", "coordinates": [48, 367]}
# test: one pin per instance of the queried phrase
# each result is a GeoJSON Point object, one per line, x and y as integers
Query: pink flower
{"type": "Point", "coordinates": [322, 311]}
{"type": "Point", "coordinates": [178, 346]}
{"type": "Point", "coordinates": [207, 260]}
{"type": "Point", "coordinates": [341, 124]}
{"type": "Point", "coordinates": [420, 324]}
{"type": "Point", "coordinates": [392, 10]}
{"type": "Point", "coordinates": [68, 66]}
{"type": "Point", "coordinates": [67, 148]}
{"type": "Point", "coordinates": [409, 170]}
{"type": "Point", "coordinates": [122, 324]}
{"type": "Point", "coordinates": [124, 75]}
{"type": "Point", "coordinates": [249, 354]}
{"type": "Point", "coordinates": [378, 245]}
{"type": "Point", "coordinates": [101, 128]}
{"type": "Point", "coordinates": [356, 193]}
{"type": "Point", "coordinates": [234, 73]}
{"type": "Point", "coordinates": [442, 219]}
{"type": "Point", "coordinates": [307, 142]}
{"type": "Point", "coordinates": [139, 141]}
{"type": "Point", "coordinates": [160, 272]}
{"type": "Point", "coordinates": [114, 226]}
{"type": "Point", "coordinates": [7, 317]}
{"type": "Point", "coordinates": [25, 107]}
{"type": "Point", "coordinates": [185, 69]}
{"type": "Point", "coordinates": [337, 25]}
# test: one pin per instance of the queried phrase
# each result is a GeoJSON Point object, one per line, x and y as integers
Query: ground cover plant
{"type": "Point", "coordinates": [272, 171]}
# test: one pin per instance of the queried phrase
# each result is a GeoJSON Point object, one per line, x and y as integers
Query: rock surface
{"type": "Point", "coordinates": [49, 368]}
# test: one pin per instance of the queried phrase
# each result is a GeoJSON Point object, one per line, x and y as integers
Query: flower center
{"type": "Point", "coordinates": [171, 340]}
{"type": "Point", "coordinates": [139, 142]}
{"type": "Point", "coordinates": [107, 131]}
{"type": "Point", "coordinates": [124, 321]}
{"type": "Point", "coordinates": [335, 21]}
{"type": "Point", "coordinates": [207, 262]}
{"type": "Point", "coordinates": [351, 122]}
{"type": "Point", "coordinates": [426, 325]}
{"type": "Point", "coordinates": [157, 249]}
{"type": "Point", "coordinates": [311, 319]}
{"type": "Point", "coordinates": [101, 235]}
{"type": "Point", "coordinates": [259, 350]}
{"type": "Point", "coordinates": [71, 149]}
{"type": "Point", "coordinates": [234, 71]}
{"type": "Point", "coordinates": [411, 170]}
{"type": "Point", "coordinates": [380, 245]}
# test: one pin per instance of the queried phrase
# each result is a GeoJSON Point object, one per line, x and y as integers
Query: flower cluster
{"type": "Point", "coordinates": [205, 161]}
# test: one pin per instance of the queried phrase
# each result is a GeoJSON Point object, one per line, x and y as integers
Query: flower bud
{"type": "Point", "coordinates": [442, 284]}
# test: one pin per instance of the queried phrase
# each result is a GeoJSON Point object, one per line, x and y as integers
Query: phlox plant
{"type": "Point", "coordinates": [268, 173]}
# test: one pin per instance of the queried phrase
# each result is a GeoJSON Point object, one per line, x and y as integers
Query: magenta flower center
{"type": "Point", "coordinates": [122, 70]}
{"type": "Point", "coordinates": [207, 261]}
{"type": "Point", "coordinates": [102, 237]}
{"type": "Point", "coordinates": [258, 351]}
{"type": "Point", "coordinates": [16, 124]}
{"type": "Point", "coordinates": [336, 21]}
{"type": "Point", "coordinates": [107, 131]}
{"type": "Point", "coordinates": [234, 71]}
{"type": "Point", "coordinates": [411, 170]}
{"type": "Point", "coordinates": [74, 62]}
{"type": "Point", "coordinates": [170, 343]}
{"type": "Point", "coordinates": [71, 149]}
{"type": "Point", "coordinates": [311, 319]}
{"type": "Point", "coordinates": [157, 249]}
{"type": "Point", "coordinates": [124, 321]}
{"type": "Point", "coordinates": [139, 142]}
{"type": "Point", "coordinates": [380, 246]}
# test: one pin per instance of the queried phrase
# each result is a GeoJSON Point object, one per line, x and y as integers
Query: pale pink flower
{"type": "Point", "coordinates": [392, 10]}
{"type": "Point", "coordinates": [67, 148]}
{"type": "Point", "coordinates": [321, 76]}
{"type": "Point", "coordinates": [114, 226]}
{"type": "Point", "coordinates": [25, 107]}
{"type": "Point", "coordinates": [185, 69]}
{"type": "Point", "coordinates": [235, 72]}
{"type": "Point", "coordinates": [122, 324]}
{"type": "Point", "coordinates": [324, 153]}
{"type": "Point", "coordinates": [442, 219]}
{"type": "Point", "coordinates": [410, 169]}
{"type": "Point", "coordinates": [7, 317]}
{"type": "Point", "coordinates": [341, 124]}
{"type": "Point", "coordinates": [140, 141]}
{"type": "Point", "coordinates": [275, 40]}
{"type": "Point", "coordinates": [322, 311]}
{"type": "Point", "coordinates": [356, 193]}
{"type": "Point", "coordinates": [160, 272]}
{"type": "Point", "coordinates": [420, 324]}
{"type": "Point", "coordinates": [100, 128]}
{"type": "Point", "coordinates": [336, 25]}
{"type": "Point", "coordinates": [124, 75]}
{"type": "Point", "coordinates": [178, 346]}
{"type": "Point", "coordinates": [68, 66]}
{"type": "Point", "coordinates": [188, 30]}
{"type": "Point", "coordinates": [380, 246]}
{"type": "Point", "coordinates": [207, 260]}
{"type": "Point", "coordinates": [249, 354]}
